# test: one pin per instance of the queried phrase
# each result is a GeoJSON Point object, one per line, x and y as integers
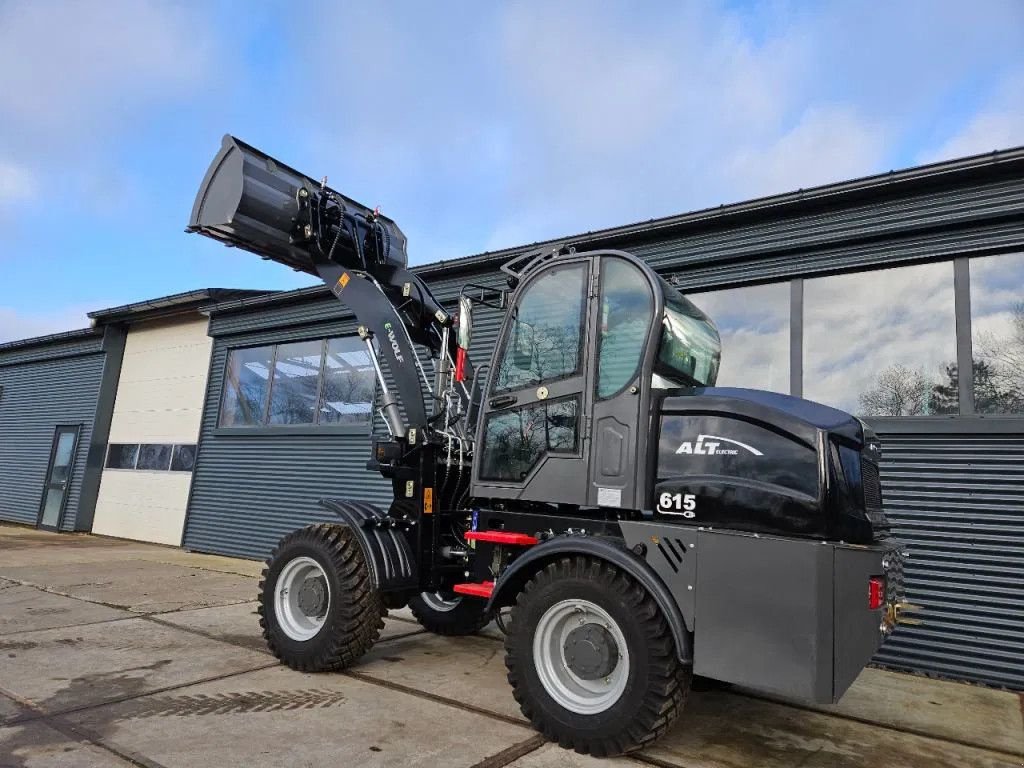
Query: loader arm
{"type": "Point", "coordinates": [251, 201]}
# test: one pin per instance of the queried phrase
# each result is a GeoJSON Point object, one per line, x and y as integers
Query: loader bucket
{"type": "Point", "coordinates": [249, 200]}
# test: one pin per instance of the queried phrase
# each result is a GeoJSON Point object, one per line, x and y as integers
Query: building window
{"type": "Point", "coordinates": [326, 382]}
{"type": "Point", "coordinates": [295, 389]}
{"type": "Point", "coordinates": [151, 457]}
{"type": "Point", "coordinates": [882, 343]}
{"type": "Point", "coordinates": [246, 384]}
{"type": "Point", "coordinates": [997, 330]}
{"type": "Point", "coordinates": [754, 327]}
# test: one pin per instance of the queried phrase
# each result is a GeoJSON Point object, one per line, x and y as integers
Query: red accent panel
{"type": "Point", "coordinates": [876, 592]}
{"type": "Point", "coordinates": [502, 537]}
{"type": "Point", "coordinates": [460, 364]}
{"type": "Point", "coordinates": [475, 590]}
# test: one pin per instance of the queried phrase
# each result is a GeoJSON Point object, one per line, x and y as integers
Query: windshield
{"type": "Point", "coordinates": [690, 348]}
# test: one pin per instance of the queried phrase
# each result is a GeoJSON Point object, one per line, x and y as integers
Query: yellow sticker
{"type": "Point", "coordinates": [343, 280]}
{"type": "Point", "coordinates": [428, 501]}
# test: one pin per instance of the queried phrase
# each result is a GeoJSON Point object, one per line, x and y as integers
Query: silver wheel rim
{"type": "Point", "coordinates": [292, 618]}
{"type": "Point", "coordinates": [435, 602]}
{"type": "Point", "coordinates": [584, 697]}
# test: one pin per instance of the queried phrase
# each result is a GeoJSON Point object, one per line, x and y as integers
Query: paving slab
{"type": "Point", "coordinates": [725, 730]}
{"type": "Point", "coordinates": [24, 608]}
{"type": "Point", "coordinates": [140, 586]}
{"type": "Point", "coordinates": [11, 710]}
{"type": "Point", "coordinates": [470, 670]}
{"type": "Point", "coordinates": [239, 624]}
{"type": "Point", "coordinates": [553, 756]}
{"type": "Point", "coordinates": [980, 716]}
{"type": "Point", "coordinates": [58, 669]}
{"type": "Point", "coordinates": [279, 717]}
{"type": "Point", "coordinates": [37, 745]}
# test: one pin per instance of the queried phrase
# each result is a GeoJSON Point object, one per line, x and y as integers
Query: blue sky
{"type": "Point", "coordinates": [474, 125]}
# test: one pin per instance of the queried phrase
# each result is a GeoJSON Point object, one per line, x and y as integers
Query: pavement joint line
{"type": "Point", "coordinates": [115, 606]}
{"type": "Point", "coordinates": [43, 715]}
{"type": "Point", "coordinates": [400, 688]}
{"type": "Point", "coordinates": [904, 730]}
{"type": "Point", "coordinates": [509, 755]}
{"type": "Point", "coordinates": [640, 757]}
{"type": "Point", "coordinates": [71, 626]}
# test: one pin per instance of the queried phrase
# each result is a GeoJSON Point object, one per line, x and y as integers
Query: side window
{"type": "Point", "coordinates": [516, 440]}
{"type": "Point", "coordinates": [546, 330]}
{"type": "Point", "coordinates": [627, 306]}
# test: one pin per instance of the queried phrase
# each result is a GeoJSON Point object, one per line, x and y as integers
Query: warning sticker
{"type": "Point", "coordinates": [609, 497]}
{"type": "Point", "coordinates": [428, 501]}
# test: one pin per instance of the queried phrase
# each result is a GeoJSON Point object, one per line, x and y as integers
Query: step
{"type": "Point", "coordinates": [502, 537]}
{"type": "Point", "coordinates": [483, 589]}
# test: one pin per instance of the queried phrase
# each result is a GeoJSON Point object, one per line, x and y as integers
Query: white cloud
{"type": "Point", "coordinates": [16, 183]}
{"type": "Point", "coordinates": [15, 324]}
{"type": "Point", "coordinates": [998, 125]}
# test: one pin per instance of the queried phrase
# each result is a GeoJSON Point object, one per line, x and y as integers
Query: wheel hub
{"type": "Point", "coordinates": [313, 597]}
{"type": "Point", "coordinates": [591, 652]}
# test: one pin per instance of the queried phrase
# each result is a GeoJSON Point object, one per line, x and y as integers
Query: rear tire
{"type": "Point", "coordinates": [450, 614]}
{"type": "Point", "coordinates": [591, 659]}
{"type": "Point", "coordinates": [317, 605]}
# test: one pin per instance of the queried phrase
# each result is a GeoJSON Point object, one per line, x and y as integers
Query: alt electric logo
{"type": "Point", "coordinates": [709, 445]}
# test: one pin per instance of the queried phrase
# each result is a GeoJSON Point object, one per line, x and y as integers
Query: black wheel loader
{"type": "Point", "coordinates": [641, 524]}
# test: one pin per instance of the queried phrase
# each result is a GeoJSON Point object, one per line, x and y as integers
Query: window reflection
{"type": "Point", "coordinates": [882, 343]}
{"type": "Point", "coordinates": [516, 440]}
{"type": "Point", "coordinates": [348, 383]}
{"type": "Point", "coordinates": [997, 324]}
{"type": "Point", "coordinates": [293, 395]}
{"type": "Point", "coordinates": [245, 386]}
{"type": "Point", "coordinates": [753, 324]}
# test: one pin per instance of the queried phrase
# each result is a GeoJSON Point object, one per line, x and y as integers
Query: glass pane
{"type": "Point", "coordinates": [753, 324]}
{"type": "Point", "coordinates": [183, 458]}
{"type": "Point", "coordinates": [544, 336]}
{"type": "Point", "coordinates": [122, 455]}
{"type": "Point", "coordinates": [690, 350]}
{"type": "Point", "coordinates": [245, 386]}
{"type": "Point", "coordinates": [516, 440]}
{"type": "Point", "coordinates": [997, 324]}
{"type": "Point", "coordinates": [154, 457]}
{"type": "Point", "coordinates": [348, 383]}
{"type": "Point", "coordinates": [626, 309]}
{"type": "Point", "coordinates": [293, 396]}
{"type": "Point", "coordinates": [52, 505]}
{"type": "Point", "coordinates": [882, 343]}
{"type": "Point", "coordinates": [62, 457]}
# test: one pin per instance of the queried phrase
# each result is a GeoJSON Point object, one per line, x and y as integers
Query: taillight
{"type": "Point", "coordinates": [876, 592]}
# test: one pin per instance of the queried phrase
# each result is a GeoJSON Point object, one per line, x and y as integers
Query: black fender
{"type": "Point", "coordinates": [523, 567]}
{"type": "Point", "coordinates": [386, 548]}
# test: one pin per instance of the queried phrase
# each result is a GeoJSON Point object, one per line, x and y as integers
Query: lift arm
{"type": "Point", "coordinates": [251, 201]}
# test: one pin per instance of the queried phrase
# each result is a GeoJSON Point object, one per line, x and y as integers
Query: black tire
{"type": "Point", "coordinates": [466, 616]}
{"type": "Point", "coordinates": [354, 614]}
{"type": "Point", "coordinates": [656, 685]}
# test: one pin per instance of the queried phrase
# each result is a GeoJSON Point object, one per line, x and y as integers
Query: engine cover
{"type": "Point", "coordinates": [757, 461]}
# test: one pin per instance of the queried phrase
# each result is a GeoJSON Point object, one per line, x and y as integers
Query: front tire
{"type": "Point", "coordinates": [591, 659]}
{"type": "Point", "coordinates": [445, 613]}
{"type": "Point", "coordinates": [317, 604]}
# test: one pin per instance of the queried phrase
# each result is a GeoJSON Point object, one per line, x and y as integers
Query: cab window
{"type": "Point", "coordinates": [545, 330]}
{"type": "Point", "coordinates": [627, 306]}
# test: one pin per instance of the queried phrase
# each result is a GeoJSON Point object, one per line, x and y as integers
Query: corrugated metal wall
{"type": "Point", "coordinates": [250, 487]}
{"type": "Point", "coordinates": [957, 502]}
{"type": "Point", "coordinates": [44, 387]}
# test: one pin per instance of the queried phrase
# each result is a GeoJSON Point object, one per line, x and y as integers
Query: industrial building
{"type": "Point", "coordinates": [898, 297]}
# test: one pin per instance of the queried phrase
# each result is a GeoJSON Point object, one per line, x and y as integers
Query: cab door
{"type": "Point", "coordinates": [621, 389]}
{"type": "Point", "coordinates": [531, 436]}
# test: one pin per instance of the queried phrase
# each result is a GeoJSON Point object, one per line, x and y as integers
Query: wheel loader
{"type": "Point", "coordinates": [632, 523]}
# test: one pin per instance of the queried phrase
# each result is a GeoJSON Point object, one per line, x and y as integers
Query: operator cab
{"type": "Point", "coordinates": [566, 410]}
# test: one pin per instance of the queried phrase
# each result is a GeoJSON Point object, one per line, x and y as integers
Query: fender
{"type": "Point", "coordinates": [609, 550]}
{"type": "Point", "coordinates": [385, 548]}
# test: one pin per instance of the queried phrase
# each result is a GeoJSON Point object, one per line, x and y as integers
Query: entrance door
{"type": "Point", "coordinates": [62, 462]}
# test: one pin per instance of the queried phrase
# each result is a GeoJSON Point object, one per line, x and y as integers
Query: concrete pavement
{"type": "Point", "coordinates": [115, 653]}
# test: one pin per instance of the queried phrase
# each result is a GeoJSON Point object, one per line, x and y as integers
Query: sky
{"type": "Point", "coordinates": [475, 126]}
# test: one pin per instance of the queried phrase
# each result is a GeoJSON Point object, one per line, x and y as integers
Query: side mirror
{"type": "Point", "coordinates": [465, 322]}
